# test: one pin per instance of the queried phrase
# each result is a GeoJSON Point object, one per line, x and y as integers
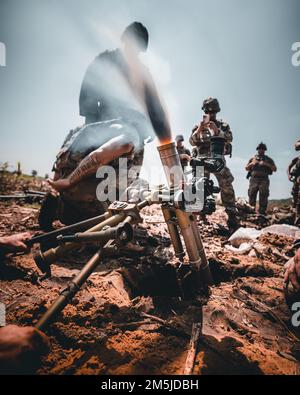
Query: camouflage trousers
{"type": "Point", "coordinates": [225, 180]}
{"type": "Point", "coordinates": [261, 186]}
{"type": "Point", "coordinates": [80, 203]}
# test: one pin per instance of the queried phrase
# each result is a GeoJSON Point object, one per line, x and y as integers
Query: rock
{"type": "Point", "coordinates": [252, 253]}
{"type": "Point", "coordinates": [143, 304]}
{"type": "Point", "coordinates": [282, 230]}
{"type": "Point", "coordinates": [244, 207]}
{"type": "Point", "coordinates": [260, 248]}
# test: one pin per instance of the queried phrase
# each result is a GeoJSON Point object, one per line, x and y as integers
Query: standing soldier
{"type": "Point", "coordinates": [200, 139]}
{"type": "Point", "coordinates": [184, 153]}
{"type": "Point", "coordinates": [260, 167]}
{"type": "Point", "coordinates": [294, 176]}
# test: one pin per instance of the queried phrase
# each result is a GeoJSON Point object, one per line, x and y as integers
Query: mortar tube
{"type": "Point", "coordinates": [171, 161]}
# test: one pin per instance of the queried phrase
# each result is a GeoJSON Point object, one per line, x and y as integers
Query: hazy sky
{"type": "Point", "coordinates": [236, 50]}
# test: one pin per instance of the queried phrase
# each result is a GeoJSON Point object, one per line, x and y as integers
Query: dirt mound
{"type": "Point", "coordinates": [122, 322]}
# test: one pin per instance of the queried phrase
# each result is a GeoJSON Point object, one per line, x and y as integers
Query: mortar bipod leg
{"type": "Point", "coordinates": [69, 292]}
{"type": "Point", "coordinates": [205, 272]}
{"type": "Point", "coordinates": [185, 225]}
{"type": "Point", "coordinates": [170, 219]}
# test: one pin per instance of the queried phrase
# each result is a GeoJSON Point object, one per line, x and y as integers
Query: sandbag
{"type": "Point", "coordinates": [244, 235]}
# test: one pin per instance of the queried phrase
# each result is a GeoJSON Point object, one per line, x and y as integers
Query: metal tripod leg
{"type": "Point", "coordinates": [69, 292]}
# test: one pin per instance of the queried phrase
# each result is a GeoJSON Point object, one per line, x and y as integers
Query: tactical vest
{"type": "Point", "coordinates": [295, 170]}
{"type": "Point", "coordinates": [202, 146]}
{"type": "Point", "coordinates": [259, 171]}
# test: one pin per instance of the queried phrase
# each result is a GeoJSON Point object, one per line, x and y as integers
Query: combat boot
{"type": "Point", "coordinates": [48, 212]}
{"type": "Point", "coordinates": [233, 221]}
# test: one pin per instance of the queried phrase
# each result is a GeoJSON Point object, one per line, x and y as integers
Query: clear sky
{"type": "Point", "coordinates": [236, 50]}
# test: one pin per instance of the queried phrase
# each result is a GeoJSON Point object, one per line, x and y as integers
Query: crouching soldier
{"type": "Point", "coordinates": [259, 168]}
{"type": "Point", "coordinates": [82, 194]}
{"type": "Point", "coordinates": [122, 108]}
{"type": "Point", "coordinates": [201, 140]}
{"type": "Point", "coordinates": [294, 177]}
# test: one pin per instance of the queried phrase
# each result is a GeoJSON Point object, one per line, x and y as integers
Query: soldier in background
{"type": "Point", "coordinates": [184, 153]}
{"type": "Point", "coordinates": [200, 139]}
{"type": "Point", "coordinates": [260, 167]}
{"type": "Point", "coordinates": [294, 177]}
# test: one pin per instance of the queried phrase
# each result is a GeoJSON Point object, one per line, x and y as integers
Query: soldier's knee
{"type": "Point", "coordinates": [226, 183]}
{"type": "Point", "coordinates": [264, 196]}
{"type": "Point", "coordinates": [252, 190]}
{"type": "Point", "coordinates": [225, 176]}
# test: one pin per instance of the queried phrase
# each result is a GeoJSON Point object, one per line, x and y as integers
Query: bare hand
{"type": "Point", "coordinates": [212, 126]}
{"type": "Point", "coordinates": [185, 157]}
{"type": "Point", "coordinates": [21, 348]}
{"type": "Point", "coordinates": [15, 243]}
{"type": "Point", "coordinates": [292, 273]}
{"type": "Point", "coordinates": [60, 185]}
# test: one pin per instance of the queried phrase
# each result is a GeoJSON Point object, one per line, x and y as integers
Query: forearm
{"type": "Point", "coordinates": [271, 166]}
{"type": "Point", "coordinates": [195, 138]}
{"type": "Point", "coordinates": [86, 167]}
{"type": "Point", "coordinates": [108, 152]}
{"type": "Point", "coordinates": [250, 165]}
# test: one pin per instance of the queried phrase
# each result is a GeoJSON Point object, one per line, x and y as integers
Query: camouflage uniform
{"type": "Point", "coordinates": [260, 182]}
{"type": "Point", "coordinates": [80, 202]}
{"type": "Point", "coordinates": [225, 177]}
{"type": "Point", "coordinates": [294, 171]}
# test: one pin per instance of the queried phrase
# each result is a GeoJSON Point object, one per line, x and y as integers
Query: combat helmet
{"type": "Point", "coordinates": [211, 105]}
{"type": "Point", "coordinates": [262, 146]}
